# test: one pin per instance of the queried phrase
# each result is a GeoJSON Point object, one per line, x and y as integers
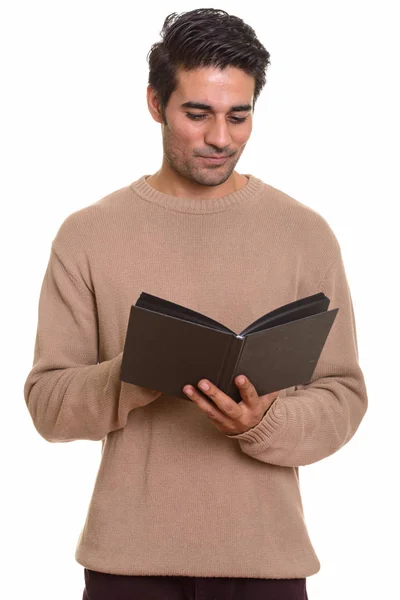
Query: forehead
{"type": "Point", "coordinates": [220, 88]}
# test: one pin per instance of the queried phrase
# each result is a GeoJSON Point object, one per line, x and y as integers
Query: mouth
{"type": "Point", "coordinates": [214, 161]}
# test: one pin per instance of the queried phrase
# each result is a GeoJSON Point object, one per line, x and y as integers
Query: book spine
{"type": "Point", "coordinates": [230, 360]}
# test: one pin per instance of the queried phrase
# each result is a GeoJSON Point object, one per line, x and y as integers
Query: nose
{"type": "Point", "coordinates": [217, 134]}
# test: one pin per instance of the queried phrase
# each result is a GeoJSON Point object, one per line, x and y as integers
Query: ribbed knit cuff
{"type": "Point", "coordinates": [262, 435]}
{"type": "Point", "coordinates": [131, 395]}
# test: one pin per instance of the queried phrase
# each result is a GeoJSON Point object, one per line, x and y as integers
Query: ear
{"type": "Point", "coordinates": [153, 104]}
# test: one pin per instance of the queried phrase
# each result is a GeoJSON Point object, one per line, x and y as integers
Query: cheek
{"type": "Point", "coordinates": [243, 135]}
{"type": "Point", "coordinates": [189, 135]}
{"type": "Point", "coordinates": [185, 136]}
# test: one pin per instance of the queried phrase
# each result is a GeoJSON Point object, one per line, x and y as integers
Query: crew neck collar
{"type": "Point", "coordinates": [196, 205]}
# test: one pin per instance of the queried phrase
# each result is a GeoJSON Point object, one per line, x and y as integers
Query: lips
{"type": "Point", "coordinates": [218, 157]}
{"type": "Point", "coordinates": [214, 160]}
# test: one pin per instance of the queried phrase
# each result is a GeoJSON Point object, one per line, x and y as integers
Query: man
{"type": "Point", "coordinates": [195, 498]}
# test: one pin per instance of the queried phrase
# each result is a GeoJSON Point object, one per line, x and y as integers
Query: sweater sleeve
{"type": "Point", "coordinates": [307, 423]}
{"type": "Point", "coordinates": [69, 394]}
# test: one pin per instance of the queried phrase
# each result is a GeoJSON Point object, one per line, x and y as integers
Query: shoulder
{"type": "Point", "coordinates": [85, 226]}
{"type": "Point", "coordinates": [307, 228]}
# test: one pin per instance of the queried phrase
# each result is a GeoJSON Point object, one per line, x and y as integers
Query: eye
{"type": "Point", "coordinates": [235, 120]}
{"type": "Point", "coordinates": [239, 119]}
{"type": "Point", "coordinates": [195, 117]}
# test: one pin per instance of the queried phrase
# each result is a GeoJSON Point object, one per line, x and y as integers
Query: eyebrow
{"type": "Point", "coordinates": [239, 108]}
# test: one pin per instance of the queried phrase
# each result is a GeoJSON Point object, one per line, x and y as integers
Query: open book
{"type": "Point", "coordinates": [168, 345]}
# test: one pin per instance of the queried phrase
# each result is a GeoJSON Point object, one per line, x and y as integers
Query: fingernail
{"type": "Point", "coordinates": [204, 385]}
{"type": "Point", "coordinates": [241, 380]}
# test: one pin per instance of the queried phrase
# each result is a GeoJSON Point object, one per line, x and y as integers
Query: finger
{"type": "Point", "coordinates": [204, 403]}
{"type": "Point", "coordinates": [247, 390]}
{"type": "Point", "coordinates": [224, 402]}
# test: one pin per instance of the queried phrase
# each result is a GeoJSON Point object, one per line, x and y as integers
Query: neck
{"type": "Point", "coordinates": [168, 181]}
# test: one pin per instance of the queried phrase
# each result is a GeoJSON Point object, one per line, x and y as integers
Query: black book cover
{"type": "Point", "coordinates": [168, 345]}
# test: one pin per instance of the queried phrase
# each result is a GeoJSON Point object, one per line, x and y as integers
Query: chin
{"type": "Point", "coordinates": [212, 176]}
{"type": "Point", "coordinates": [213, 179]}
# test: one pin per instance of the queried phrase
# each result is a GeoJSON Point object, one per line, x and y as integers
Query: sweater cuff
{"type": "Point", "coordinates": [263, 434]}
{"type": "Point", "coordinates": [131, 395]}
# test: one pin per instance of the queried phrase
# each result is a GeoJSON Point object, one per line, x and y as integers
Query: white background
{"type": "Point", "coordinates": [75, 127]}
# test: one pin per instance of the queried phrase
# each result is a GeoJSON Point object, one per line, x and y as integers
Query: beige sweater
{"type": "Point", "coordinates": [173, 495]}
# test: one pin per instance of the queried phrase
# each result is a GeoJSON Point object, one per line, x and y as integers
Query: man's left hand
{"type": "Point", "coordinates": [228, 416]}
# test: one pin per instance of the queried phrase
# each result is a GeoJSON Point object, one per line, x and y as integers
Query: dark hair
{"type": "Point", "coordinates": [204, 37]}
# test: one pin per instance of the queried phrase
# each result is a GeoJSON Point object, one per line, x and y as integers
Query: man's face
{"type": "Point", "coordinates": [221, 130]}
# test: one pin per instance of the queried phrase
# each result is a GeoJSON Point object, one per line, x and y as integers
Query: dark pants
{"type": "Point", "coordinates": [103, 586]}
